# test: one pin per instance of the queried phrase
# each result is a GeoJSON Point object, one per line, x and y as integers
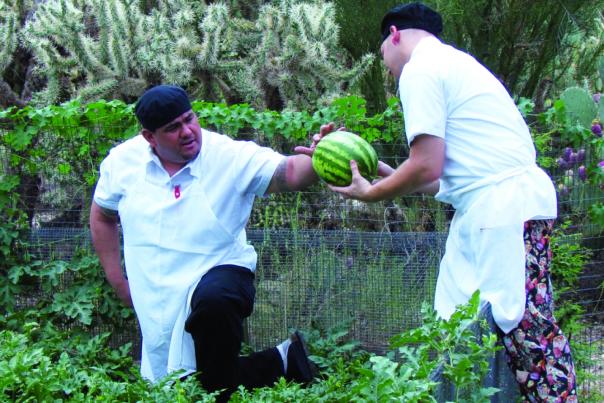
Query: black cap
{"type": "Point", "coordinates": [412, 15]}
{"type": "Point", "coordinates": [160, 105]}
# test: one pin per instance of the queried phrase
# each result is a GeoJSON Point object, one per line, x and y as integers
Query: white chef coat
{"type": "Point", "coordinates": [489, 176]}
{"type": "Point", "coordinates": [177, 228]}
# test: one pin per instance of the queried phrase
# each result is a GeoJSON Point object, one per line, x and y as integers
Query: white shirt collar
{"type": "Point", "coordinates": [193, 166]}
{"type": "Point", "coordinates": [423, 44]}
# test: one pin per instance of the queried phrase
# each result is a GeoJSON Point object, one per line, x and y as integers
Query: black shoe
{"type": "Point", "coordinates": [299, 368]}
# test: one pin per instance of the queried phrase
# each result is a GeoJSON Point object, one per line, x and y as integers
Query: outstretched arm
{"type": "Point", "coordinates": [418, 173]}
{"type": "Point", "coordinates": [296, 172]}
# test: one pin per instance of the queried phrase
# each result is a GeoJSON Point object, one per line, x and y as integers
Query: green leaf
{"type": "Point", "coordinates": [8, 182]}
{"type": "Point", "coordinates": [596, 213]}
{"type": "Point", "coordinates": [76, 303]}
{"type": "Point", "coordinates": [64, 169]}
{"type": "Point", "coordinates": [21, 137]}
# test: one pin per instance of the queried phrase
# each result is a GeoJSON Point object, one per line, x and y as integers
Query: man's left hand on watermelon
{"type": "Point", "coordinates": [419, 173]}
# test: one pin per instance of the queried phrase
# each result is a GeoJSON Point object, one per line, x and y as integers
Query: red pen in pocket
{"type": "Point", "coordinates": [176, 191]}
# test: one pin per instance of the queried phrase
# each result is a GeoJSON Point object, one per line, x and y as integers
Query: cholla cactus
{"type": "Point", "coordinates": [298, 54]}
{"type": "Point", "coordinates": [222, 57]}
{"type": "Point", "coordinates": [107, 48]}
{"type": "Point", "coordinates": [113, 49]}
{"type": "Point", "coordinates": [8, 32]}
{"type": "Point", "coordinates": [116, 48]}
{"type": "Point", "coordinates": [15, 72]}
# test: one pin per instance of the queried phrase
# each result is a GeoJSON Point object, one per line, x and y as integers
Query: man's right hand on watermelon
{"type": "Point", "coordinates": [323, 131]}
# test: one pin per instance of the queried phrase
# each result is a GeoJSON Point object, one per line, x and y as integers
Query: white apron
{"type": "Point", "coordinates": [176, 250]}
{"type": "Point", "coordinates": [485, 248]}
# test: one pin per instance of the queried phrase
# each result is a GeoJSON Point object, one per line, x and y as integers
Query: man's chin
{"type": "Point", "coordinates": [189, 156]}
{"type": "Point", "coordinates": [190, 152]}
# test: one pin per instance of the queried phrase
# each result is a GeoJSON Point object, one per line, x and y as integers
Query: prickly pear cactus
{"type": "Point", "coordinates": [580, 106]}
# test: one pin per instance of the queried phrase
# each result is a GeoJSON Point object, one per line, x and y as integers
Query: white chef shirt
{"type": "Point", "coordinates": [490, 176]}
{"type": "Point", "coordinates": [177, 228]}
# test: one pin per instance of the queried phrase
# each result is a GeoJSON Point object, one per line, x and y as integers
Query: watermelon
{"type": "Point", "coordinates": [332, 156]}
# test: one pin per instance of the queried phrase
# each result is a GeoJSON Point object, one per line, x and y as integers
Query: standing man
{"type": "Point", "coordinates": [183, 196]}
{"type": "Point", "coordinates": [470, 146]}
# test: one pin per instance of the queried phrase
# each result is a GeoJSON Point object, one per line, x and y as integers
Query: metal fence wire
{"type": "Point", "coordinates": [324, 261]}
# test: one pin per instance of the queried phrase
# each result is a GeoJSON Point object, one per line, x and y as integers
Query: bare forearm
{"type": "Point", "coordinates": [300, 172]}
{"type": "Point", "coordinates": [422, 168]}
{"type": "Point", "coordinates": [430, 189]}
{"type": "Point", "coordinates": [293, 173]}
{"type": "Point", "coordinates": [106, 242]}
{"type": "Point", "coordinates": [418, 173]}
{"type": "Point", "coordinates": [406, 179]}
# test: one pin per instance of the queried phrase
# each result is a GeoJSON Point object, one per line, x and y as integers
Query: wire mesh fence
{"type": "Point", "coordinates": [316, 278]}
{"type": "Point", "coordinates": [373, 283]}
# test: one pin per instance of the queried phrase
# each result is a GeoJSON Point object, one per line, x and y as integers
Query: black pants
{"type": "Point", "coordinates": [222, 300]}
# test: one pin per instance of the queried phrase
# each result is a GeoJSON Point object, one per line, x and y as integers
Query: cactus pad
{"type": "Point", "coordinates": [579, 105]}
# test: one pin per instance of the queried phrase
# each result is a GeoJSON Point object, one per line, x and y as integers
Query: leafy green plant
{"type": "Point", "coordinates": [455, 344]}
{"type": "Point", "coordinates": [63, 292]}
{"type": "Point", "coordinates": [568, 263]}
{"type": "Point", "coordinates": [405, 373]}
{"type": "Point", "coordinates": [43, 364]}
{"type": "Point", "coordinates": [571, 128]}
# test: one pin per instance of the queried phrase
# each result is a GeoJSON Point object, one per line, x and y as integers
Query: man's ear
{"type": "Point", "coordinates": [148, 135]}
{"type": "Point", "coordinates": [395, 34]}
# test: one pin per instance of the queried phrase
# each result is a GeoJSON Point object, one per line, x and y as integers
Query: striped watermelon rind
{"type": "Point", "coordinates": [332, 156]}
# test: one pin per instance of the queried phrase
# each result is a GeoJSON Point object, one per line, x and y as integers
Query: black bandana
{"type": "Point", "coordinates": [161, 105]}
{"type": "Point", "coordinates": [412, 15]}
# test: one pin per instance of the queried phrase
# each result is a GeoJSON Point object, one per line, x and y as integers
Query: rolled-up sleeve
{"type": "Point", "coordinates": [424, 107]}
{"type": "Point", "coordinates": [106, 193]}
